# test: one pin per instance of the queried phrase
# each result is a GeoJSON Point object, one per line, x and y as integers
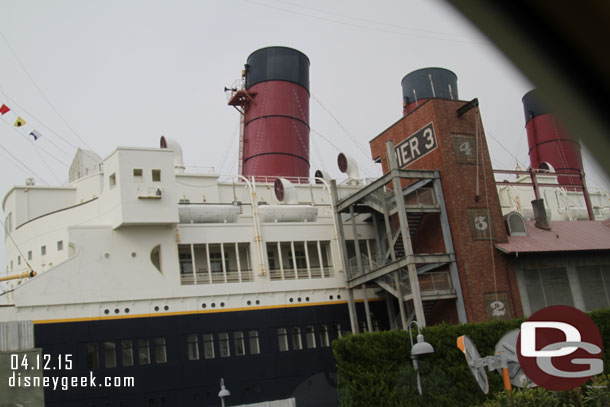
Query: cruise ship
{"type": "Point", "coordinates": [142, 268]}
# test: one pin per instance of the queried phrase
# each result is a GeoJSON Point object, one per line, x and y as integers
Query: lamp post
{"type": "Point", "coordinates": [420, 348]}
{"type": "Point", "coordinates": [223, 392]}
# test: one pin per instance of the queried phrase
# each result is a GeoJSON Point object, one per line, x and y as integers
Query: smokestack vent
{"type": "Point", "coordinates": [542, 221]}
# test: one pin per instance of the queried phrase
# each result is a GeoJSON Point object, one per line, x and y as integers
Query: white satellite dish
{"type": "Point", "coordinates": [507, 346]}
{"type": "Point", "coordinates": [504, 361]}
{"type": "Point", "coordinates": [475, 362]}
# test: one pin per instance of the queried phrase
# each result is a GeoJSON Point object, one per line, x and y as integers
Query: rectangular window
{"type": "Point", "coordinates": [223, 345]}
{"type": "Point", "coordinates": [253, 343]}
{"type": "Point", "coordinates": [208, 346]}
{"type": "Point", "coordinates": [282, 339]}
{"type": "Point", "coordinates": [18, 260]}
{"type": "Point", "coordinates": [156, 175]}
{"type": "Point", "coordinates": [112, 180]}
{"type": "Point", "coordinates": [323, 335]}
{"type": "Point", "coordinates": [310, 337]}
{"type": "Point", "coordinates": [109, 354]}
{"type": "Point", "coordinates": [192, 347]}
{"type": "Point", "coordinates": [160, 350]}
{"type": "Point", "coordinates": [143, 352]}
{"type": "Point", "coordinates": [593, 287]}
{"type": "Point", "coordinates": [297, 341]}
{"type": "Point", "coordinates": [11, 264]}
{"type": "Point", "coordinates": [29, 255]}
{"type": "Point", "coordinates": [127, 353]}
{"type": "Point", "coordinates": [239, 343]}
{"type": "Point", "coordinates": [60, 245]}
{"type": "Point", "coordinates": [338, 332]}
{"type": "Point", "coordinates": [548, 286]}
{"type": "Point", "coordinates": [93, 361]}
{"type": "Point", "coordinates": [43, 250]}
{"type": "Point", "coordinates": [185, 259]}
{"type": "Point", "coordinates": [138, 175]}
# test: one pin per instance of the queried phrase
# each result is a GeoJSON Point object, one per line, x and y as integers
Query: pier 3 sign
{"type": "Point", "coordinates": [416, 146]}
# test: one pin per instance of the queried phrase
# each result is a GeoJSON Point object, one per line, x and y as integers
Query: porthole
{"type": "Point", "coordinates": [127, 310]}
{"type": "Point", "coordinates": [249, 302]}
{"type": "Point", "coordinates": [106, 311]}
{"type": "Point", "coordinates": [106, 255]}
{"type": "Point", "coordinates": [166, 308]}
{"type": "Point", "coordinates": [291, 300]}
{"type": "Point", "coordinates": [156, 308]}
{"type": "Point", "coordinates": [116, 310]}
{"type": "Point", "coordinates": [133, 254]}
{"type": "Point", "coordinates": [299, 299]}
{"type": "Point", "coordinates": [330, 297]}
{"type": "Point", "coordinates": [203, 305]}
{"type": "Point", "coordinates": [307, 299]}
{"type": "Point", "coordinates": [257, 302]}
{"type": "Point", "coordinates": [213, 305]}
{"type": "Point", "coordinates": [222, 304]}
{"type": "Point", "coordinates": [338, 296]}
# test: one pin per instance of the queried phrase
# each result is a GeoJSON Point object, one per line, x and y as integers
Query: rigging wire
{"type": "Point", "coordinates": [374, 21]}
{"type": "Point", "coordinates": [361, 26]}
{"type": "Point", "coordinates": [25, 166]}
{"type": "Point", "coordinates": [356, 142]}
{"type": "Point", "coordinates": [40, 90]}
{"type": "Point", "coordinates": [13, 102]}
{"type": "Point", "coordinates": [230, 143]}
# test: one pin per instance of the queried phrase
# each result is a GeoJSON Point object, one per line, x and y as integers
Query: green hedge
{"type": "Point", "coordinates": [375, 369]}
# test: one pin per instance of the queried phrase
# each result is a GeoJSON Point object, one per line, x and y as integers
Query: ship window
{"type": "Point", "coordinates": [223, 345]}
{"type": "Point", "coordinates": [338, 332]}
{"type": "Point", "coordinates": [127, 353]}
{"type": "Point", "coordinates": [192, 346]}
{"type": "Point", "coordinates": [18, 260]}
{"type": "Point", "coordinates": [186, 264]}
{"type": "Point", "coordinates": [112, 180]}
{"type": "Point", "coordinates": [282, 339]}
{"type": "Point", "coordinates": [29, 255]}
{"type": "Point", "coordinates": [160, 350]}
{"type": "Point", "coordinates": [155, 257]}
{"type": "Point", "coordinates": [138, 175]}
{"type": "Point", "coordinates": [253, 342]}
{"type": "Point", "coordinates": [43, 250]}
{"type": "Point", "coordinates": [238, 342]}
{"type": "Point", "coordinates": [11, 264]}
{"type": "Point", "coordinates": [109, 354]}
{"type": "Point", "coordinates": [208, 346]}
{"type": "Point", "coordinates": [595, 285]}
{"type": "Point", "coordinates": [156, 175]}
{"type": "Point", "coordinates": [60, 245]}
{"type": "Point", "coordinates": [92, 356]}
{"type": "Point", "coordinates": [310, 337]}
{"type": "Point", "coordinates": [143, 352]}
{"type": "Point", "coordinates": [297, 342]}
{"type": "Point", "coordinates": [323, 335]}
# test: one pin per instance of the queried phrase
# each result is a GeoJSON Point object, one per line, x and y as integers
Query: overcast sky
{"type": "Point", "coordinates": [98, 74]}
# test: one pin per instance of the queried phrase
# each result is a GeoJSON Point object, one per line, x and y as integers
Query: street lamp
{"type": "Point", "coordinates": [420, 348]}
{"type": "Point", "coordinates": [223, 392]}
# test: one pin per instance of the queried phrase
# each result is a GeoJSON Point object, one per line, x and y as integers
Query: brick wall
{"type": "Point", "coordinates": [476, 259]}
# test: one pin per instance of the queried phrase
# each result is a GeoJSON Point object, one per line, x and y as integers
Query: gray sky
{"type": "Point", "coordinates": [127, 72]}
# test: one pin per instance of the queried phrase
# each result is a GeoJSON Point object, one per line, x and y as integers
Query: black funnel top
{"type": "Point", "coordinates": [429, 83]}
{"type": "Point", "coordinates": [532, 106]}
{"type": "Point", "coordinates": [277, 64]}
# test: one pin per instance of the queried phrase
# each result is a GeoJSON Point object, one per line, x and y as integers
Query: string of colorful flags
{"type": "Point", "coordinates": [19, 122]}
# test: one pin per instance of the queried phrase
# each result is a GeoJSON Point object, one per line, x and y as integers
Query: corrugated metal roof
{"type": "Point", "coordinates": [563, 236]}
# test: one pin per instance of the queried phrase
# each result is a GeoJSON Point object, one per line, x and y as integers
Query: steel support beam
{"type": "Point", "coordinates": [404, 229]}
{"type": "Point", "coordinates": [448, 241]}
{"type": "Point", "coordinates": [351, 305]}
